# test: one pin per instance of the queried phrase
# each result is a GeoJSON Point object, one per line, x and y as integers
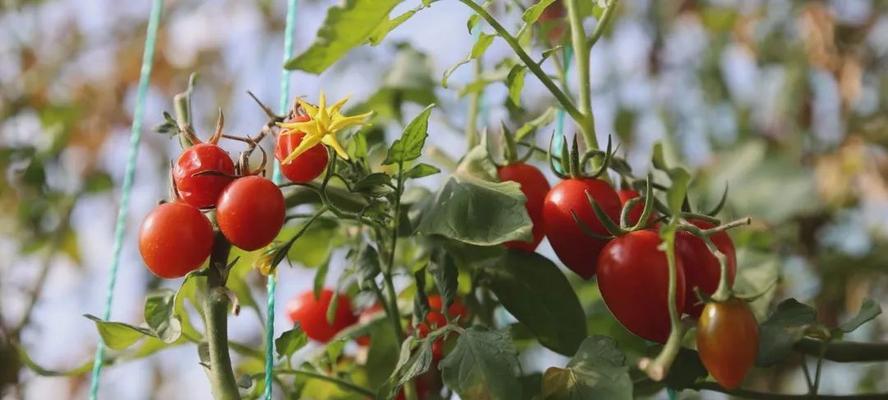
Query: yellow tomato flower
{"type": "Point", "coordinates": [325, 122]}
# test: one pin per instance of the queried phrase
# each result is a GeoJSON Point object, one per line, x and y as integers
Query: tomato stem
{"type": "Point", "coordinates": [581, 49]}
{"type": "Point", "coordinates": [749, 394]}
{"type": "Point", "coordinates": [216, 305]}
{"type": "Point", "coordinates": [474, 104]}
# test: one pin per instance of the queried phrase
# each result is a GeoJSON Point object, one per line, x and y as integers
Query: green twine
{"type": "Point", "coordinates": [135, 139]}
{"type": "Point", "coordinates": [272, 282]}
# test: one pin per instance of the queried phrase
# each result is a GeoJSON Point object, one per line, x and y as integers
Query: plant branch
{"type": "Point", "coordinates": [603, 22]}
{"type": "Point", "coordinates": [581, 50]}
{"type": "Point", "coordinates": [332, 379]}
{"type": "Point", "coordinates": [474, 104]}
{"type": "Point", "coordinates": [216, 307]}
{"type": "Point", "coordinates": [749, 394]}
{"type": "Point", "coordinates": [565, 101]}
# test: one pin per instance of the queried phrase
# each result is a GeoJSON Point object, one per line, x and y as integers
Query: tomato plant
{"type": "Point", "coordinates": [201, 173]}
{"type": "Point", "coordinates": [635, 212]}
{"type": "Point", "coordinates": [250, 212]}
{"type": "Point", "coordinates": [175, 239]}
{"type": "Point", "coordinates": [701, 268]}
{"type": "Point", "coordinates": [309, 165]}
{"type": "Point", "coordinates": [310, 312]}
{"type": "Point", "coordinates": [633, 277]}
{"type": "Point", "coordinates": [728, 340]}
{"type": "Point", "coordinates": [576, 250]}
{"type": "Point", "coordinates": [535, 187]}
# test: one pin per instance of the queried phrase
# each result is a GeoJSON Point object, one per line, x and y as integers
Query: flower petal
{"type": "Point", "coordinates": [331, 141]}
{"type": "Point", "coordinates": [308, 141]}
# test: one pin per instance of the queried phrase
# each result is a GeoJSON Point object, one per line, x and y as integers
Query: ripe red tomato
{"type": "Point", "coordinates": [633, 276]}
{"type": "Point", "coordinates": [175, 239]}
{"type": "Point", "coordinates": [636, 211]}
{"type": "Point", "coordinates": [575, 249]}
{"type": "Point", "coordinates": [202, 191]}
{"type": "Point", "coordinates": [727, 339]}
{"type": "Point", "coordinates": [308, 165]}
{"type": "Point", "coordinates": [701, 267]}
{"type": "Point", "coordinates": [435, 319]}
{"type": "Point", "coordinates": [311, 314]}
{"type": "Point", "coordinates": [250, 212]}
{"type": "Point", "coordinates": [553, 21]}
{"type": "Point", "coordinates": [535, 187]}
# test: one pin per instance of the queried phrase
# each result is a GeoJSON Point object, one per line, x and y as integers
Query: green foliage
{"type": "Point", "coordinates": [290, 342]}
{"type": "Point", "coordinates": [598, 370]}
{"type": "Point", "coordinates": [409, 146]}
{"type": "Point", "coordinates": [782, 330]}
{"type": "Point", "coordinates": [537, 293]}
{"type": "Point", "coordinates": [482, 366]}
{"type": "Point", "coordinates": [868, 311]}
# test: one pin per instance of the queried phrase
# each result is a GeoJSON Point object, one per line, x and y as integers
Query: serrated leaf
{"type": "Point", "coordinates": [390, 24]}
{"type": "Point", "coordinates": [782, 330]}
{"type": "Point", "coordinates": [482, 366]}
{"type": "Point", "coordinates": [515, 83]}
{"type": "Point", "coordinates": [118, 335]}
{"type": "Point", "coordinates": [346, 26]}
{"type": "Point", "coordinates": [421, 170]}
{"type": "Point", "coordinates": [290, 342]}
{"type": "Point", "coordinates": [536, 292]}
{"type": "Point", "coordinates": [367, 263]}
{"type": "Point", "coordinates": [597, 371]}
{"type": "Point", "coordinates": [531, 126]}
{"type": "Point", "coordinates": [160, 315]}
{"type": "Point", "coordinates": [446, 275]}
{"type": "Point", "coordinates": [868, 310]}
{"type": "Point", "coordinates": [484, 41]}
{"type": "Point", "coordinates": [411, 363]}
{"type": "Point", "coordinates": [409, 146]}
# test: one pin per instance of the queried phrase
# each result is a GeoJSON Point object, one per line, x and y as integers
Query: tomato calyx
{"type": "Point", "coordinates": [723, 292]}
{"type": "Point", "coordinates": [570, 165]}
{"type": "Point", "coordinates": [618, 229]}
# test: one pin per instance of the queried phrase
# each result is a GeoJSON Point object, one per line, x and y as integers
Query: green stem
{"type": "Point", "coordinates": [340, 382]}
{"type": "Point", "coordinates": [749, 394]}
{"type": "Point", "coordinates": [216, 307]}
{"type": "Point", "coordinates": [659, 367]}
{"type": "Point", "coordinates": [581, 50]}
{"type": "Point", "coordinates": [603, 22]}
{"type": "Point", "coordinates": [474, 103]}
{"type": "Point", "coordinates": [535, 68]}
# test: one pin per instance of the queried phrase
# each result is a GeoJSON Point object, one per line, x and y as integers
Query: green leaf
{"type": "Point", "coordinates": [478, 163]}
{"type": "Point", "coordinates": [482, 366]}
{"type": "Point", "coordinates": [531, 126]}
{"type": "Point", "coordinates": [472, 22]}
{"type": "Point", "coordinates": [118, 335]}
{"type": "Point", "coordinates": [320, 278]}
{"type": "Point", "coordinates": [290, 342]}
{"type": "Point", "coordinates": [375, 184]}
{"type": "Point", "coordinates": [536, 292]}
{"type": "Point", "coordinates": [782, 330]}
{"type": "Point", "coordinates": [367, 263]}
{"type": "Point", "coordinates": [868, 310]}
{"type": "Point", "coordinates": [347, 26]}
{"type": "Point", "coordinates": [160, 316]}
{"type": "Point", "coordinates": [390, 24]}
{"type": "Point", "coordinates": [597, 371]}
{"type": "Point", "coordinates": [331, 308]}
{"type": "Point", "coordinates": [97, 182]}
{"type": "Point", "coordinates": [421, 170]}
{"type": "Point", "coordinates": [314, 246]}
{"type": "Point", "coordinates": [411, 363]}
{"type": "Point", "coordinates": [686, 369]}
{"type": "Point", "coordinates": [409, 146]}
{"type": "Point", "coordinates": [533, 13]}
{"type": "Point", "coordinates": [484, 41]}
{"type": "Point", "coordinates": [478, 212]}
{"type": "Point", "coordinates": [515, 83]}
{"type": "Point", "coordinates": [446, 275]}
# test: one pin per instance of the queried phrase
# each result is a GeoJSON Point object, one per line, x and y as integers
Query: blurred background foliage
{"type": "Point", "coordinates": [784, 101]}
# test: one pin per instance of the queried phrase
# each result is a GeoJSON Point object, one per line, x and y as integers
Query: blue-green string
{"type": "Point", "coordinates": [559, 116]}
{"type": "Point", "coordinates": [272, 281]}
{"type": "Point", "coordinates": [135, 139]}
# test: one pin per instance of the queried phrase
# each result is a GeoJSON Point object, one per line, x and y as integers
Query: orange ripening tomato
{"type": "Point", "coordinates": [727, 340]}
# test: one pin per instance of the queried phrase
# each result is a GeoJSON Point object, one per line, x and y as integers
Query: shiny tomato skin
{"type": "Point", "coordinates": [250, 212]}
{"type": "Point", "coordinates": [727, 340]}
{"type": "Point", "coordinates": [701, 266]}
{"type": "Point", "coordinates": [311, 314]}
{"type": "Point", "coordinates": [175, 239]}
{"type": "Point", "coordinates": [638, 209]}
{"type": "Point", "coordinates": [202, 191]}
{"type": "Point", "coordinates": [535, 187]}
{"type": "Point", "coordinates": [574, 248]}
{"type": "Point", "coordinates": [309, 165]}
{"type": "Point", "coordinates": [633, 276]}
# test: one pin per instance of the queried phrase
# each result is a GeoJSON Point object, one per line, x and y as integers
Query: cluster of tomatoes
{"type": "Point", "coordinates": [632, 269]}
{"type": "Point", "coordinates": [177, 237]}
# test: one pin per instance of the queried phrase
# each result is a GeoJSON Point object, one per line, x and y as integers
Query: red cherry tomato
{"type": "Point", "coordinates": [202, 191]}
{"type": "Point", "coordinates": [435, 319]}
{"type": "Point", "coordinates": [638, 209]}
{"type": "Point", "coordinates": [535, 187]}
{"type": "Point", "coordinates": [575, 249]}
{"type": "Point", "coordinates": [633, 276]}
{"type": "Point", "coordinates": [250, 212]}
{"type": "Point", "coordinates": [701, 267]}
{"type": "Point", "coordinates": [308, 165]}
{"type": "Point", "coordinates": [727, 339]}
{"type": "Point", "coordinates": [175, 239]}
{"type": "Point", "coordinates": [553, 22]}
{"type": "Point", "coordinates": [311, 314]}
